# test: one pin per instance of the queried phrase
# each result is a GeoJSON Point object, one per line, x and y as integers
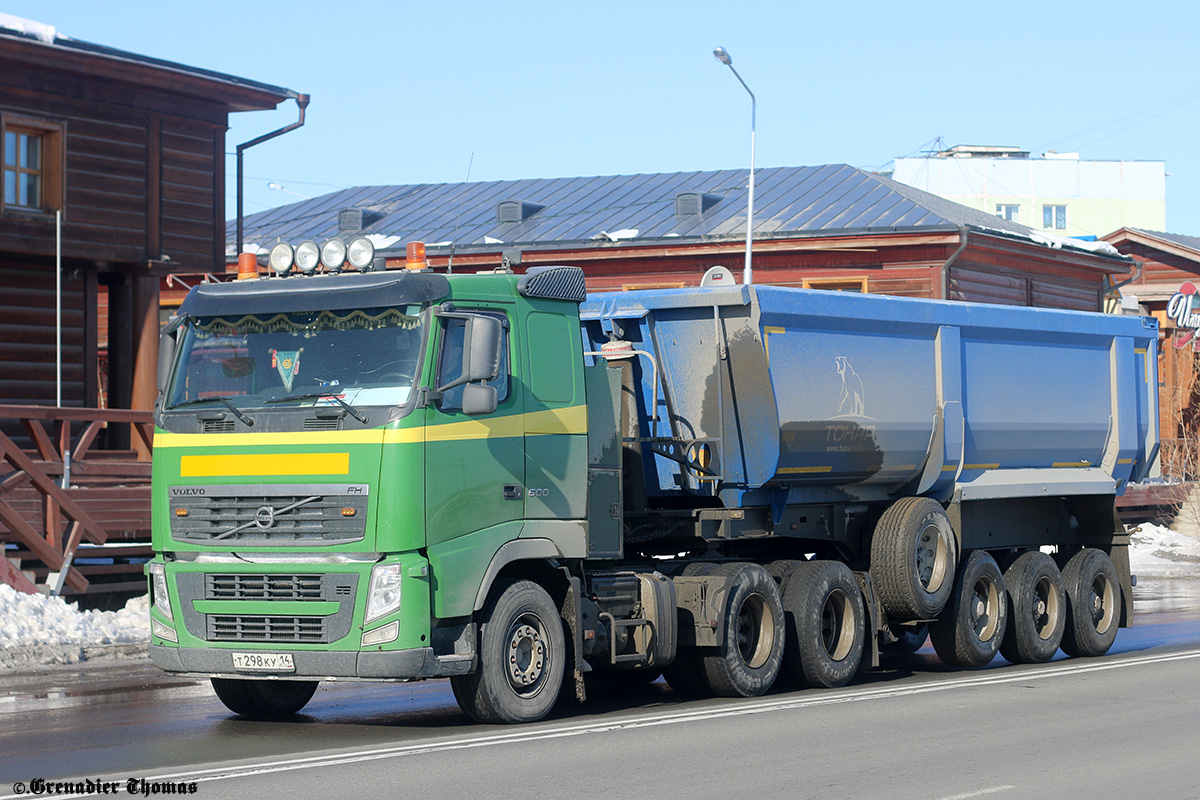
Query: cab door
{"type": "Point", "coordinates": [475, 465]}
{"type": "Point", "coordinates": [556, 419]}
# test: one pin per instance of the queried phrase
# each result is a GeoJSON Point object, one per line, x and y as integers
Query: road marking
{"type": "Point", "coordinates": [742, 708]}
{"type": "Point", "coordinates": [1006, 787]}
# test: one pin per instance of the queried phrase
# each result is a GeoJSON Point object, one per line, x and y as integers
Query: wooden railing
{"type": "Point", "coordinates": [64, 492]}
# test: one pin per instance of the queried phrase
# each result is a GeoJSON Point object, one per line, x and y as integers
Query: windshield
{"type": "Point", "coordinates": [366, 356]}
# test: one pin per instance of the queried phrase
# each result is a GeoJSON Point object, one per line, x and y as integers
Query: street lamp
{"type": "Point", "coordinates": [278, 188]}
{"type": "Point", "coordinates": [722, 55]}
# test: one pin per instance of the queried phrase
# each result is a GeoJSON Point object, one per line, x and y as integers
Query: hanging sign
{"type": "Point", "coordinates": [1184, 311]}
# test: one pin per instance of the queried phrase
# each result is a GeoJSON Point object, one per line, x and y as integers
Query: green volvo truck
{"type": "Point", "coordinates": [496, 479]}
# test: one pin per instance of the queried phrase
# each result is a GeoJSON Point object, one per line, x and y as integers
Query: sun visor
{"type": "Point", "coordinates": [324, 292]}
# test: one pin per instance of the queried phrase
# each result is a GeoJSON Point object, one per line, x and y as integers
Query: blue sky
{"type": "Point", "coordinates": [415, 92]}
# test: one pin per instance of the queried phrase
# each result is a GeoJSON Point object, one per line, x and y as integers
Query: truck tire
{"type": "Point", "coordinates": [823, 608]}
{"type": "Point", "coordinates": [970, 628]}
{"type": "Point", "coordinates": [1037, 609]}
{"type": "Point", "coordinates": [254, 698]}
{"type": "Point", "coordinates": [913, 555]}
{"type": "Point", "coordinates": [748, 660]}
{"type": "Point", "coordinates": [779, 570]}
{"type": "Point", "coordinates": [522, 655]}
{"type": "Point", "coordinates": [1093, 603]}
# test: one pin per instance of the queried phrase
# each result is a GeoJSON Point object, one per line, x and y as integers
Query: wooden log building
{"type": "Point", "coordinates": [125, 155]}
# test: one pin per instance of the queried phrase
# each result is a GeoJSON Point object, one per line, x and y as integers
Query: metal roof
{"type": "Point", "coordinates": [1188, 242]}
{"type": "Point", "coordinates": [831, 199]}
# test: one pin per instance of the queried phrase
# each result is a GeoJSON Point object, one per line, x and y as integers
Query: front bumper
{"type": "Point", "coordinates": [419, 662]}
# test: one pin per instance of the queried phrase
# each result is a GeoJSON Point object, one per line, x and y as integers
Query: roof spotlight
{"type": "Point", "coordinates": [307, 256]}
{"type": "Point", "coordinates": [361, 254]}
{"type": "Point", "coordinates": [282, 258]}
{"type": "Point", "coordinates": [333, 254]}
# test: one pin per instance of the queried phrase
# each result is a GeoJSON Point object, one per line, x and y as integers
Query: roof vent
{"type": "Point", "coordinates": [353, 220]}
{"type": "Point", "coordinates": [693, 204]}
{"type": "Point", "coordinates": [516, 210]}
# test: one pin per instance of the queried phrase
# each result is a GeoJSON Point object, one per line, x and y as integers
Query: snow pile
{"type": "Point", "coordinates": [34, 619]}
{"type": "Point", "coordinates": [1161, 552]}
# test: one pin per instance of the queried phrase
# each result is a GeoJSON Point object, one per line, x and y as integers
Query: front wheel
{"type": "Point", "coordinates": [253, 698]}
{"type": "Point", "coordinates": [522, 655]}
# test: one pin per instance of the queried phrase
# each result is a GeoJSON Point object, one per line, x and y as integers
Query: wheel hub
{"type": "Point", "coordinates": [526, 656]}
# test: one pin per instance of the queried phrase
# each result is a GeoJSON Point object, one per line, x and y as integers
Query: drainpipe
{"type": "Point", "coordinates": [962, 234]}
{"type": "Point", "coordinates": [302, 101]}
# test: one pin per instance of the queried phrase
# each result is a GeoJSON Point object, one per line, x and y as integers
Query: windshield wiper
{"type": "Point", "coordinates": [237, 412]}
{"type": "Point", "coordinates": [354, 412]}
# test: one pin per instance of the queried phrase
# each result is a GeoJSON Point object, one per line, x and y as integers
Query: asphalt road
{"type": "Point", "coordinates": [1126, 725]}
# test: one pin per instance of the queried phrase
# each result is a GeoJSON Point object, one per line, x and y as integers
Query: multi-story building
{"type": "Point", "coordinates": [1059, 193]}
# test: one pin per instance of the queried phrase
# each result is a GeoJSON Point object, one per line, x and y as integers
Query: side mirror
{"type": "Point", "coordinates": [481, 348]}
{"type": "Point", "coordinates": [478, 399]}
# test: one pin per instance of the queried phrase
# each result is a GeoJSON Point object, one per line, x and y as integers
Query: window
{"type": "Point", "coordinates": [450, 367]}
{"type": "Point", "coordinates": [837, 284]}
{"type": "Point", "coordinates": [1054, 217]}
{"type": "Point", "coordinates": [31, 157]}
{"type": "Point", "coordinates": [1012, 213]}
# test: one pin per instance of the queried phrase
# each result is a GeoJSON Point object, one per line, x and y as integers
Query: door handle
{"type": "Point", "coordinates": [512, 491]}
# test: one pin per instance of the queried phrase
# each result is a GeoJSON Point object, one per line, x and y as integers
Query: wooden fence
{"type": "Point", "coordinates": [74, 517]}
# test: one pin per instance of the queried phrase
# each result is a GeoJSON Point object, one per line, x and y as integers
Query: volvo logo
{"type": "Point", "coordinates": [264, 517]}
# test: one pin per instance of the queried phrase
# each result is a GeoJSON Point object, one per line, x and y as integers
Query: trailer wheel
{"type": "Point", "coordinates": [970, 628]}
{"type": "Point", "coordinates": [823, 606]}
{"type": "Point", "coordinates": [254, 698]}
{"type": "Point", "coordinates": [1093, 604]}
{"type": "Point", "coordinates": [913, 555]}
{"type": "Point", "coordinates": [522, 655]}
{"type": "Point", "coordinates": [748, 660]}
{"type": "Point", "coordinates": [1037, 609]}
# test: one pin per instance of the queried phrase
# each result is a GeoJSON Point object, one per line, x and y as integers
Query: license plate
{"type": "Point", "coordinates": [263, 662]}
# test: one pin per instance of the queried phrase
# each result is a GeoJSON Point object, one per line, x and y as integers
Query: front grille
{"type": "Point", "coordinates": [301, 591]}
{"type": "Point", "coordinates": [264, 587]}
{"type": "Point", "coordinates": [236, 628]}
{"type": "Point", "coordinates": [218, 426]}
{"type": "Point", "coordinates": [323, 424]}
{"type": "Point", "coordinates": [270, 515]}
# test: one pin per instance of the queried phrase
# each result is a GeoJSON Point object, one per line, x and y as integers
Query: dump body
{"type": "Point", "coordinates": [873, 395]}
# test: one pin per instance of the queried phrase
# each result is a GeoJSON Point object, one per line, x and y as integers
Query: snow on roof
{"type": "Point", "coordinates": [27, 27]}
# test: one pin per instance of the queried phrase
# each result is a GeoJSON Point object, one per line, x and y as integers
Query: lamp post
{"type": "Point", "coordinates": [722, 55]}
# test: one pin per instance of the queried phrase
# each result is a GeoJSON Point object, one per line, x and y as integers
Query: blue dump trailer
{"type": "Point", "coordinates": [895, 466]}
{"type": "Point", "coordinates": [497, 479]}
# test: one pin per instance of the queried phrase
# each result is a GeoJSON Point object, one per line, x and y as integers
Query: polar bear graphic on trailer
{"type": "Point", "coordinates": [851, 401]}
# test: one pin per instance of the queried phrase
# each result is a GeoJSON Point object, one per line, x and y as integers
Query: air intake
{"type": "Point", "coordinates": [693, 204]}
{"type": "Point", "coordinates": [516, 210]}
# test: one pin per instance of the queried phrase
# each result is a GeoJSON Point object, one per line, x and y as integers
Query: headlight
{"type": "Point", "coordinates": [333, 255]}
{"type": "Point", "coordinates": [158, 584]}
{"type": "Point", "coordinates": [384, 595]}
{"type": "Point", "coordinates": [361, 254]}
{"type": "Point", "coordinates": [307, 256]}
{"type": "Point", "coordinates": [282, 257]}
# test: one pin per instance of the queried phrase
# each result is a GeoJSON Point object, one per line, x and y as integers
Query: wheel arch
{"type": "Point", "coordinates": [532, 559]}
